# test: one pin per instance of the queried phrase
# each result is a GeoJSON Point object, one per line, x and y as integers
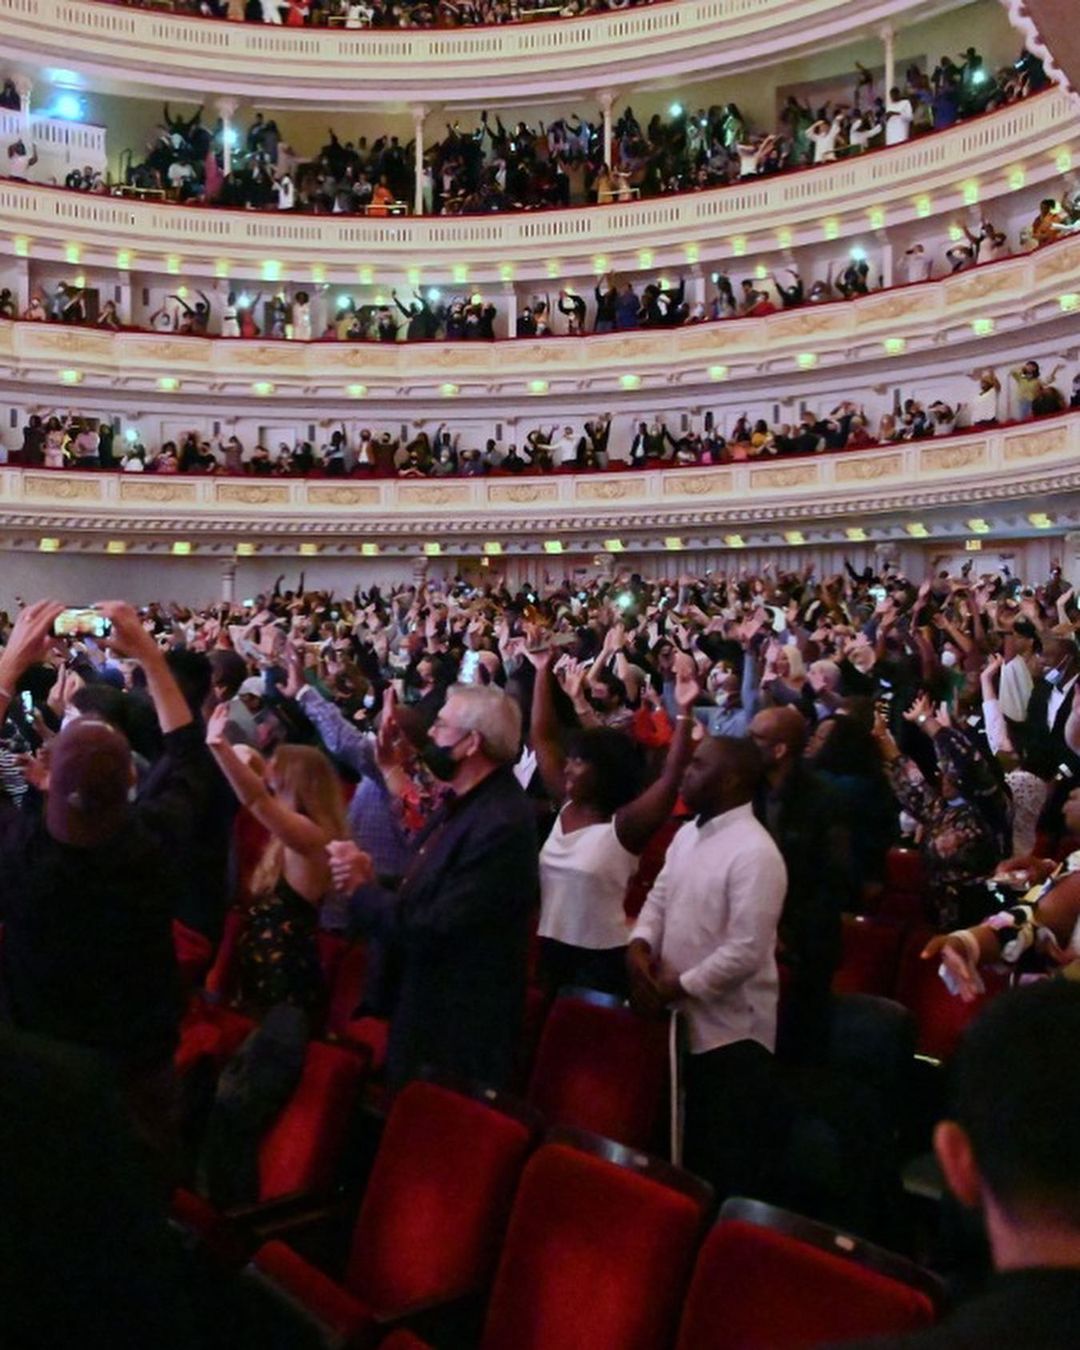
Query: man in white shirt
{"type": "Point", "coordinates": [705, 944]}
{"type": "Point", "coordinates": [898, 118]}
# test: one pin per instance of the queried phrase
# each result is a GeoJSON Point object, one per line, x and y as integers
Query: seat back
{"type": "Point", "coordinates": [905, 886]}
{"type": "Point", "coordinates": [871, 951]}
{"type": "Point", "coordinates": [941, 1018]}
{"type": "Point", "coordinates": [598, 1252]}
{"type": "Point", "coordinates": [347, 988]}
{"type": "Point", "coordinates": [194, 953]}
{"type": "Point", "coordinates": [601, 1068]}
{"type": "Point", "coordinates": [438, 1197]}
{"type": "Point", "coordinates": [303, 1147]}
{"type": "Point", "coordinates": [765, 1278]}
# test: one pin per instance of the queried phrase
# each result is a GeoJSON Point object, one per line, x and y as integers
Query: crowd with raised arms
{"type": "Point", "coordinates": [615, 302]}
{"type": "Point", "coordinates": [498, 167]}
{"type": "Point", "coordinates": [356, 14]}
{"type": "Point", "coordinates": [717, 765]}
{"type": "Point", "coordinates": [73, 441]}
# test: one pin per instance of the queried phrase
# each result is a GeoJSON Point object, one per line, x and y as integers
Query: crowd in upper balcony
{"type": "Point", "coordinates": [619, 302]}
{"type": "Point", "coordinates": [494, 167]}
{"type": "Point", "coordinates": [73, 440]}
{"type": "Point", "coordinates": [354, 14]}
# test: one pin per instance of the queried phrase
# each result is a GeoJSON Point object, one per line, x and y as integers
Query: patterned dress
{"type": "Point", "coordinates": [278, 952]}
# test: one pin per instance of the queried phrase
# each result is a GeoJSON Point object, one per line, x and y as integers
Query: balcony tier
{"type": "Point", "coordinates": [887, 491]}
{"type": "Point", "coordinates": [1033, 141]}
{"type": "Point", "coordinates": [144, 51]}
{"type": "Point", "coordinates": [1011, 296]}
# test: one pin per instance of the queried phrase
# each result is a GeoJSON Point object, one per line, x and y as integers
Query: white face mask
{"type": "Point", "coordinates": [1054, 675]}
{"type": "Point", "coordinates": [721, 698]}
{"type": "Point", "coordinates": [369, 700]}
{"type": "Point", "coordinates": [948, 659]}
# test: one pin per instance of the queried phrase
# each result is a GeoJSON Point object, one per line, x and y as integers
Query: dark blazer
{"type": "Point", "coordinates": [812, 832]}
{"type": "Point", "coordinates": [1044, 746]}
{"type": "Point", "coordinates": [457, 931]}
{"type": "Point", "coordinates": [1036, 1309]}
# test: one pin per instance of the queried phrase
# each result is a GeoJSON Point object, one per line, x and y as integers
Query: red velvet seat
{"type": "Point", "coordinates": [432, 1216]}
{"type": "Point", "coordinates": [221, 981]}
{"type": "Point", "coordinates": [210, 1032]}
{"type": "Point", "coordinates": [905, 886]}
{"type": "Point", "coordinates": [871, 951]}
{"type": "Point", "coordinates": [940, 1017]}
{"type": "Point", "coordinates": [601, 1068]}
{"type": "Point", "coordinates": [303, 1147]}
{"type": "Point", "coordinates": [769, 1280]}
{"type": "Point", "coordinates": [302, 1150]}
{"type": "Point", "coordinates": [598, 1253]}
{"type": "Point", "coordinates": [194, 953]}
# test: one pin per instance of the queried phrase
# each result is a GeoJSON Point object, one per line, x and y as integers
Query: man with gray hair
{"type": "Point", "coordinates": [455, 933]}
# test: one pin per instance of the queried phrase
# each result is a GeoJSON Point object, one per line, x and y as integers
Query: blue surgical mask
{"type": "Point", "coordinates": [1054, 675]}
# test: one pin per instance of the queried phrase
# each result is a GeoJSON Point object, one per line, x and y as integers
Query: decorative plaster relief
{"type": "Point", "coordinates": [953, 456]}
{"type": "Point", "coordinates": [861, 470]}
{"type": "Point", "coordinates": [1036, 444]}
{"type": "Point", "coordinates": [794, 475]}
{"type": "Point", "coordinates": [522, 492]}
{"type": "Point", "coordinates": [343, 496]}
{"type": "Point", "coordinates": [252, 494]}
{"type": "Point", "coordinates": [139, 490]}
{"type": "Point", "coordinates": [443, 495]}
{"type": "Point", "coordinates": [698, 485]}
{"type": "Point", "coordinates": [602, 490]}
{"type": "Point", "coordinates": [62, 489]}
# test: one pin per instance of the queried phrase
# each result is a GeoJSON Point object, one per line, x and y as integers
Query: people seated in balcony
{"type": "Point", "coordinates": [899, 115]}
{"type": "Point", "coordinates": [1031, 387]}
{"type": "Point", "coordinates": [20, 160]}
{"type": "Point", "coordinates": [109, 318]}
{"type": "Point", "coordinates": [68, 304]}
{"type": "Point", "coordinates": [193, 318]}
{"type": "Point", "coordinates": [8, 308]}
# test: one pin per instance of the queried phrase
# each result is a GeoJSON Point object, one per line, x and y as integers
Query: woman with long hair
{"type": "Point", "coordinates": [300, 804]}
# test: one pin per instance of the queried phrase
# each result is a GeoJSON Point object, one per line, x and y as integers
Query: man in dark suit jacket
{"type": "Point", "coordinates": [457, 927]}
{"type": "Point", "coordinates": [1011, 1151]}
{"type": "Point", "coordinates": [806, 819]}
{"type": "Point", "coordinates": [1043, 731]}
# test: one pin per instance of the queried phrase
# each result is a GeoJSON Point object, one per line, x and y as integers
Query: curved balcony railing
{"type": "Point", "coordinates": [1009, 295]}
{"type": "Point", "coordinates": [155, 50]}
{"type": "Point", "coordinates": [1029, 141]}
{"type": "Point", "coordinates": [880, 488]}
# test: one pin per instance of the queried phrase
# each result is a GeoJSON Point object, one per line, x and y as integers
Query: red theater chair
{"type": "Point", "coordinates": [598, 1252]}
{"type": "Point", "coordinates": [940, 1017]}
{"type": "Point", "coordinates": [194, 953]}
{"type": "Point", "coordinates": [601, 1068]}
{"type": "Point", "coordinates": [298, 1156]}
{"type": "Point", "coordinates": [769, 1280]}
{"type": "Point", "coordinates": [429, 1227]}
{"type": "Point", "coordinates": [871, 951]}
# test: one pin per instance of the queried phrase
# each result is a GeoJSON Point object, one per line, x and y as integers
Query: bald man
{"type": "Point", "coordinates": [805, 817]}
{"type": "Point", "coordinates": [705, 943]}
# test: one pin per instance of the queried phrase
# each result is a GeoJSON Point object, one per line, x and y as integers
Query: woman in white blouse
{"type": "Point", "coordinates": [604, 824]}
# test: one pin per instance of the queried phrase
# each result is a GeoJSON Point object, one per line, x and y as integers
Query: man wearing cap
{"type": "Point", "coordinates": [87, 887]}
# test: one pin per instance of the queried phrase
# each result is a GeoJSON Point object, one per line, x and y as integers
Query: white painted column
{"type": "Point", "coordinates": [888, 37]}
{"type": "Point", "coordinates": [24, 87]}
{"type": "Point", "coordinates": [607, 101]}
{"type": "Point", "coordinates": [885, 261]}
{"type": "Point", "coordinates": [21, 279]}
{"type": "Point", "coordinates": [419, 113]}
{"type": "Point", "coordinates": [696, 293]}
{"type": "Point", "coordinates": [509, 308]}
{"type": "Point", "coordinates": [227, 111]}
{"type": "Point", "coordinates": [228, 582]}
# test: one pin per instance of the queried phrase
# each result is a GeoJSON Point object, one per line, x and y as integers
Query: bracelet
{"type": "Point", "coordinates": [971, 942]}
